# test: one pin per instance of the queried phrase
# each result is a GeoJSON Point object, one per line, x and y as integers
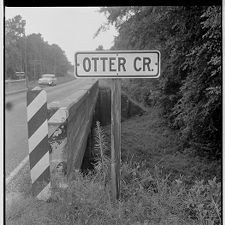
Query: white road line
{"type": "Point", "coordinates": [17, 169]}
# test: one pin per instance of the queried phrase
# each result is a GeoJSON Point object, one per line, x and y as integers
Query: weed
{"type": "Point", "coordinates": [101, 147]}
{"type": "Point", "coordinates": [155, 185]}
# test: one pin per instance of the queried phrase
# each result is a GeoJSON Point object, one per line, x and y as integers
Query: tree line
{"type": "Point", "coordinates": [189, 89]}
{"type": "Point", "coordinates": [31, 54]}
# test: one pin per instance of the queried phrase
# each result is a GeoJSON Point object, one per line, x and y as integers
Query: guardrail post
{"type": "Point", "coordinates": [38, 143]}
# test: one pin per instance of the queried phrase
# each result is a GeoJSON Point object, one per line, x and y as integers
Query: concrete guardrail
{"type": "Point", "coordinates": [69, 124]}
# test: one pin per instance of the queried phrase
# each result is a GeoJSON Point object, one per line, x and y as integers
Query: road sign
{"type": "Point", "coordinates": [118, 64]}
{"type": "Point", "coordinates": [20, 75]}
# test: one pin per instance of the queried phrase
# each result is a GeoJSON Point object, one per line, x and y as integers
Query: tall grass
{"type": "Point", "coordinates": [100, 148]}
{"type": "Point", "coordinates": [147, 198]}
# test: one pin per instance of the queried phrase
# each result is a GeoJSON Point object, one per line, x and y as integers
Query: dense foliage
{"type": "Point", "coordinates": [189, 89]}
{"type": "Point", "coordinates": [30, 53]}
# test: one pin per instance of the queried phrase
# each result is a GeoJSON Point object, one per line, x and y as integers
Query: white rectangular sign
{"type": "Point", "coordinates": [124, 64]}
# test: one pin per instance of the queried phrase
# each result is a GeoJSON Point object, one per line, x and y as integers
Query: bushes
{"type": "Point", "coordinates": [190, 87]}
{"type": "Point", "coordinates": [200, 107]}
{"type": "Point", "coordinates": [165, 200]}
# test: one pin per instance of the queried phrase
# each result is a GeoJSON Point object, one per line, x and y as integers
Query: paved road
{"type": "Point", "coordinates": [16, 143]}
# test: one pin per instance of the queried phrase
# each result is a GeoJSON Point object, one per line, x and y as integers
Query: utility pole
{"type": "Point", "coordinates": [55, 66]}
{"type": "Point", "coordinates": [41, 66]}
{"type": "Point", "coordinates": [26, 75]}
{"type": "Point", "coordinates": [35, 62]}
{"type": "Point", "coordinates": [21, 58]}
{"type": "Point", "coordinates": [34, 71]}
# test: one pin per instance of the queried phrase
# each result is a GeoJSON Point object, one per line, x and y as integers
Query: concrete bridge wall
{"type": "Point", "coordinates": [69, 125]}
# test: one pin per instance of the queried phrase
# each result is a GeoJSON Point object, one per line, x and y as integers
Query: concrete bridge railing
{"type": "Point", "coordinates": [69, 124]}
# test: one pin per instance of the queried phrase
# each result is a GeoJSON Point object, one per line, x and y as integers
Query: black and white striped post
{"type": "Point", "coordinates": [38, 143]}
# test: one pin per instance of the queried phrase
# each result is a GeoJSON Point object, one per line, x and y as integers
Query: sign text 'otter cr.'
{"type": "Point", "coordinates": [120, 64]}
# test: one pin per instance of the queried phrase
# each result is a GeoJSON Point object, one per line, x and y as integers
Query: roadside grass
{"type": "Point", "coordinates": [21, 183]}
{"type": "Point", "coordinates": [159, 185]}
{"type": "Point", "coordinates": [146, 140]}
{"type": "Point", "coordinates": [146, 198]}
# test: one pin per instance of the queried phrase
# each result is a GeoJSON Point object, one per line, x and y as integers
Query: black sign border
{"type": "Point", "coordinates": [119, 52]}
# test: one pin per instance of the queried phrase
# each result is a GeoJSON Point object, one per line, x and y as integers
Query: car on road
{"type": "Point", "coordinates": [48, 79]}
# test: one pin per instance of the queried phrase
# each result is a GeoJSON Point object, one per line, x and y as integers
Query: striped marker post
{"type": "Point", "coordinates": [38, 143]}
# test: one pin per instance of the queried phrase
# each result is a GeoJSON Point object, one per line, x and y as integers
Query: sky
{"type": "Point", "coordinates": [72, 28]}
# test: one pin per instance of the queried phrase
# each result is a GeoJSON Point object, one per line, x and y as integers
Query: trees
{"type": "Point", "coordinates": [100, 48]}
{"type": "Point", "coordinates": [189, 89]}
{"type": "Point", "coordinates": [45, 58]}
{"type": "Point", "coordinates": [200, 107]}
{"type": "Point", "coordinates": [14, 44]}
{"type": "Point", "coordinates": [31, 50]}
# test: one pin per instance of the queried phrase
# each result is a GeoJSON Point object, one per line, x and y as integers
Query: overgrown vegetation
{"type": "Point", "coordinates": [150, 193]}
{"type": "Point", "coordinates": [171, 156]}
{"type": "Point", "coordinates": [189, 89]}
{"type": "Point", "coordinates": [146, 199]}
{"type": "Point", "coordinates": [31, 53]}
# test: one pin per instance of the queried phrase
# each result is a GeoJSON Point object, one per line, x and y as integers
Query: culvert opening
{"type": "Point", "coordinates": [102, 113]}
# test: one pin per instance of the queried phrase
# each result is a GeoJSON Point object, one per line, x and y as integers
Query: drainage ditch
{"type": "Point", "coordinates": [103, 114]}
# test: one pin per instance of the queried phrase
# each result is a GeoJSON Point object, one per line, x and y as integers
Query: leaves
{"type": "Point", "coordinates": [201, 90]}
{"type": "Point", "coordinates": [189, 89]}
{"type": "Point", "coordinates": [31, 52]}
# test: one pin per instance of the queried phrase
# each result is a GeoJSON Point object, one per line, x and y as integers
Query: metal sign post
{"type": "Point", "coordinates": [116, 65]}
